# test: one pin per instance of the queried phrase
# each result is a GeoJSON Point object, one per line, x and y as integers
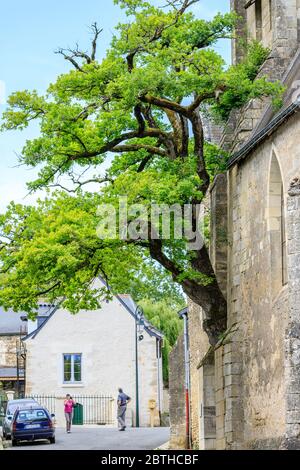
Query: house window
{"type": "Point", "coordinates": [72, 368]}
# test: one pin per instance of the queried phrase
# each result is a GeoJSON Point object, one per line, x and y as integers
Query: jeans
{"type": "Point", "coordinates": [69, 417]}
{"type": "Point", "coordinates": [122, 416]}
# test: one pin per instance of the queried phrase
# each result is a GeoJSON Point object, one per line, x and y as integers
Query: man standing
{"type": "Point", "coordinates": [123, 401]}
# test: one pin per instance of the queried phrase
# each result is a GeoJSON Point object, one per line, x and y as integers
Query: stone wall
{"type": "Point", "coordinates": [203, 379]}
{"type": "Point", "coordinates": [292, 342]}
{"type": "Point", "coordinates": [241, 30]}
{"type": "Point", "coordinates": [207, 435]}
{"type": "Point", "coordinates": [261, 308]}
{"type": "Point", "coordinates": [198, 341]}
{"type": "Point", "coordinates": [257, 372]}
{"type": "Point", "coordinates": [178, 438]}
{"type": "Point", "coordinates": [8, 351]}
{"type": "Point", "coordinates": [218, 229]}
{"type": "Point", "coordinates": [220, 399]}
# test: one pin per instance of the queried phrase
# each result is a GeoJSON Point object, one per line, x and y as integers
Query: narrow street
{"type": "Point", "coordinates": [102, 438]}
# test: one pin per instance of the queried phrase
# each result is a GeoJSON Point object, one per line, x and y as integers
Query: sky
{"type": "Point", "coordinates": [30, 32]}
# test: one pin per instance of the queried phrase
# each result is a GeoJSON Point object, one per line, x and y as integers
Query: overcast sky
{"type": "Point", "coordinates": [30, 31]}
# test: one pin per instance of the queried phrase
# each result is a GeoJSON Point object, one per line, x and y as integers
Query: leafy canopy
{"type": "Point", "coordinates": [131, 124]}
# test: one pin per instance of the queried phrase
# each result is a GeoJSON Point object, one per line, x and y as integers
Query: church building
{"type": "Point", "coordinates": [245, 393]}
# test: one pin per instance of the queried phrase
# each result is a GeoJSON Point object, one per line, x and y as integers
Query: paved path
{"type": "Point", "coordinates": [99, 438]}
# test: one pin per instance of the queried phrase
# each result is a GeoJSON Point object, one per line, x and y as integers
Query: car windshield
{"type": "Point", "coordinates": [32, 415]}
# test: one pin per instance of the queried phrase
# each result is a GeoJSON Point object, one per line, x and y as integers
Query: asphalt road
{"type": "Point", "coordinates": [102, 438]}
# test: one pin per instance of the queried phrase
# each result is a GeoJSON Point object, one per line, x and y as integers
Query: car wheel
{"type": "Point", "coordinates": [14, 442]}
{"type": "Point", "coordinates": [52, 440]}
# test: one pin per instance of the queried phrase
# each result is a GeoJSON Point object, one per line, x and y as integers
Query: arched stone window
{"type": "Point", "coordinates": [277, 227]}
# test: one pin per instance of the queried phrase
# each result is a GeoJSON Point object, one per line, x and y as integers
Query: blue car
{"type": "Point", "coordinates": [32, 424]}
{"type": "Point", "coordinates": [12, 406]}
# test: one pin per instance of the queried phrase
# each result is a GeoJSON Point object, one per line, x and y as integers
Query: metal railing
{"type": "Point", "coordinates": [47, 401]}
{"type": "Point", "coordinates": [97, 409]}
{"type": "Point", "coordinates": [3, 405]}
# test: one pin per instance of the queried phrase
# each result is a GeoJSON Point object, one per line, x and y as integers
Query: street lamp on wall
{"type": "Point", "coordinates": [139, 330]}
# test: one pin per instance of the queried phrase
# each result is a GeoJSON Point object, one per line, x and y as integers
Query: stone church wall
{"type": "Point", "coordinates": [257, 302]}
{"type": "Point", "coordinates": [177, 396]}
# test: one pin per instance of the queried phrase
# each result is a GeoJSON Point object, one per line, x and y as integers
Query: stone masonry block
{"type": "Point", "coordinates": [232, 391]}
{"type": "Point", "coordinates": [221, 444]}
{"type": "Point", "coordinates": [220, 408]}
{"type": "Point", "coordinates": [232, 380]}
{"type": "Point", "coordinates": [232, 369]}
{"type": "Point", "coordinates": [219, 396]}
{"type": "Point", "coordinates": [293, 417]}
{"type": "Point", "coordinates": [293, 402]}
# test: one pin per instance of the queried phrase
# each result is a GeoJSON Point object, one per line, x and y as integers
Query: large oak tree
{"type": "Point", "coordinates": [138, 111]}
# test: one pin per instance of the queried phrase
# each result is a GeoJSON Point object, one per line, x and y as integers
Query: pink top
{"type": "Point", "coordinates": [69, 406]}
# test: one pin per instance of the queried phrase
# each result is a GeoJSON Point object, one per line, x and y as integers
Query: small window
{"type": "Point", "coordinates": [72, 368]}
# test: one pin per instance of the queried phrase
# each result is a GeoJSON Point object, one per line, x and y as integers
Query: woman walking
{"type": "Point", "coordinates": [69, 406]}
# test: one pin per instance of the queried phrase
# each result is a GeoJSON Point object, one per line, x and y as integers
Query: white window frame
{"type": "Point", "coordinates": [72, 381]}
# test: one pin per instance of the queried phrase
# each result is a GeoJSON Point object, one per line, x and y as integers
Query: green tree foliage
{"type": "Point", "coordinates": [138, 112]}
{"type": "Point", "coordinates": [164, 316]}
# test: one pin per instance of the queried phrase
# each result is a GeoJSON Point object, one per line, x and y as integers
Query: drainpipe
{"type": "Point", "coordinates": [137, 399]}
{"type": "Point", "coordinates": [139, 326]}
{"type": "Point", "coordinates": [183, 314]}
{"type": "Point", "coordinates": [159, 349]}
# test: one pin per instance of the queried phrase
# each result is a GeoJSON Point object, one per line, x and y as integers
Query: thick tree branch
{"type": "Point", "coordinates": [205, 96]}
{"type": "Point", "coordinates": [164, 103]}
{"type": "Point", "coordinates": [209, 297]}
{"type": "Point", "coordinates": [109, 147]}
{"type": "Point", "coordinates": [184, 150]}
{"type": "Point", "coordinates": [136, 147]}
{"type": "Point", "coordinates": [199, 151]}
{"type": "Point", "coordinates": [177, 129]}
{"type": "Point", "coordinates": [140, 119]}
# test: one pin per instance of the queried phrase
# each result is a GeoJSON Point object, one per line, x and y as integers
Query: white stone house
{"type": "Point", "coordinates": [93, 353]}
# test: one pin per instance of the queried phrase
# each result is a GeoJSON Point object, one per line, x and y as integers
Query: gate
{"type": "Point", "coordinates": [94, 409]}
{"type": "Point", "coordinates": [47, 401]}
{"type": "Point", "coordinates": [3, 404]}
